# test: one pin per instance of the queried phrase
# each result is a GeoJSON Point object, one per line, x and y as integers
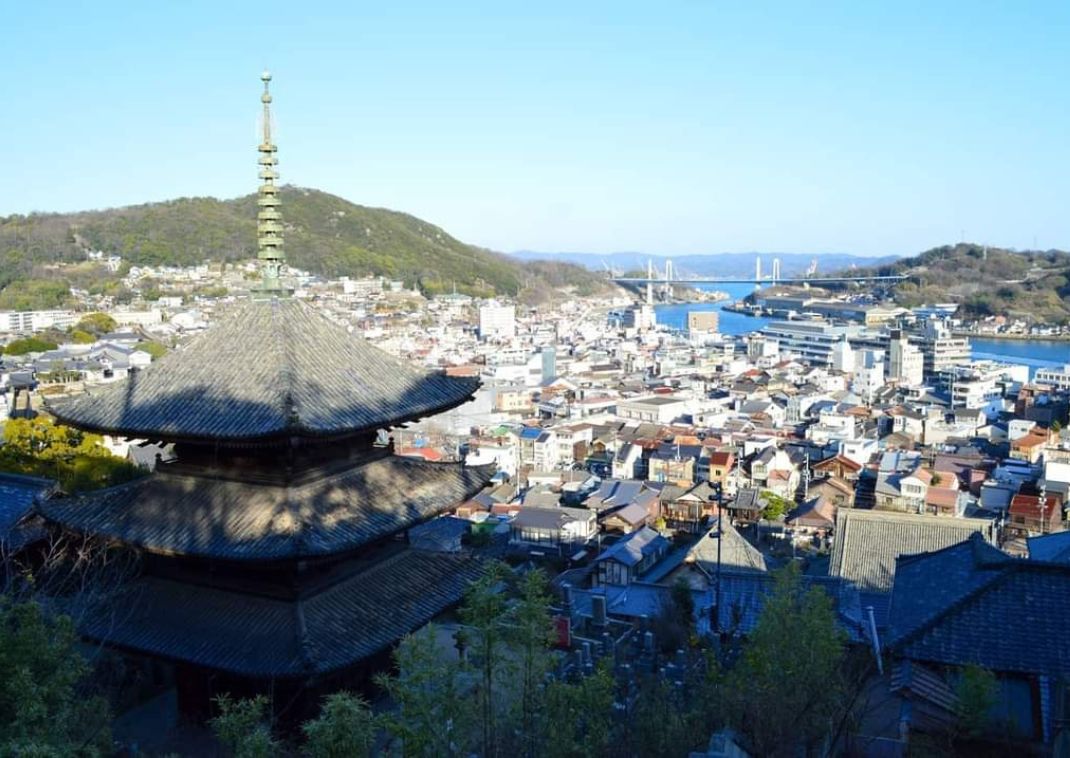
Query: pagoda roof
{"type": "Point", "coordinates": [269, 369]}
{"type": "Point", "coordinates": [257, 636]}
{"type": "Point", "coordinates": [179, 511]}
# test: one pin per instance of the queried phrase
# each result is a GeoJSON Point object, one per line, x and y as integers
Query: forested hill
{"type": "Point", "coordinates": [324, 234]}
{"type": "Point", "coordinates": [986, 281]}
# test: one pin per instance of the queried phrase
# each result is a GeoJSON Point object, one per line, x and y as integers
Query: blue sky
{"type": "Point", "coordinates": [671, 127]}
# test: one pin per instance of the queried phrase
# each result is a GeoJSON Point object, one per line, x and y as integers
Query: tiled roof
{"type": "Point", "coordinates": [971, 604]}
{"type": "Point", "coordinates": [736, 553]}
{"type": "Point", "coordinates": [743, 597]}
{"type": "Point", "coordinates": [1050, 547]}
{"type": "Point", "coordinates": [867, 543]}
{"type": "Point", "coordinates": [268, 369]}
{"type": "Point", "coordinates": [17, 496]}
{"type": "Point", "coordinates": [632, 549]}
{"type": "Point", "coordinates": [260, 636]}
{"type": "Point", "coordinates": [177, 511]}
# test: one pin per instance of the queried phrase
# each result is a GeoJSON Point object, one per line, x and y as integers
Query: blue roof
{"type": "Point", "coordinates": [17, 496]}
{"type": "Point", "coordinates": [972, 604]}
{"type": "Point", "coordinates": [1050, 547]}
{"type": "Point", "coordinates": [632, 549]}
{"type": "Point", "coordinates": [530, 433]}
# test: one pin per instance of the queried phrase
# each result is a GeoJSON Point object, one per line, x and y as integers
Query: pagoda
{"type": "Point", "coordinates": [274, 547]}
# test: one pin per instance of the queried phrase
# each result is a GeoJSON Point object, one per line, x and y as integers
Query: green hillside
{"type": "Point", "coordinates": [324, 234]}
{"type": "Point", "coordinates": [986, 281]}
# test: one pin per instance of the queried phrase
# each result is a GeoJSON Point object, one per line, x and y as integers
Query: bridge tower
{"type": "Point", "coordinates": [668, 280]}
{"type": "Point", "coordinates": [776, 270]}
{"type": "Point", "coordinates": [757, 272]}
{"type": "Point", "coordinates": [649, 281]}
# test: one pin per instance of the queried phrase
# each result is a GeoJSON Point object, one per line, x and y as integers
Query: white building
{"type": "Point", "coordinates": [497, 321]}
{"type": "Point", "coordinates": [868, 374]}
{"type": "Point", "coordinates": [26, 322]}
{"type": "Point", "coordinates": [1057, 377]}
{"type": "Point", "coordinates": [906, 364]}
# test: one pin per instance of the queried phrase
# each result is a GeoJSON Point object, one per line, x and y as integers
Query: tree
{"type": "Point", "coordinates": [431, 717]}
{"type": "Point", "coordinates": [242, 726]}
{"type": "Point", "coordinates": [97, 324]}
{"type": "Point", "coordinates": [578, 716]}
{"type": "Point", "coordinates": [666, 722]}
{"type": "Point", "coordinates": [80, 337]}
{"type": "Point", "coordinates": [43, 709]}
{"type": "Point", "coordinates": [774, 506]}
{"type": "Point", "coordinates": [156, 349]}
{"type": "Point", "coordinates": [28, 345]}
{"type": "Point", "coordinates": [345, 728]}
{"type": "Point", "coordinates": [482, 612]}
{"type": "Point", "coordinates": [531, 632]}
{"type": "Point", "coordinates": [77, 460]}
{"type": "Point", "coordinates": [789, 682]}
{"type": "Point", "coordinates": [977, 690]}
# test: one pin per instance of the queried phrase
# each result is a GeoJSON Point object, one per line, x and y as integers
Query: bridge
{"type": "Point", "coordinates": [752, 280]}
{"type": "Point", "coordinates": [671, 277]}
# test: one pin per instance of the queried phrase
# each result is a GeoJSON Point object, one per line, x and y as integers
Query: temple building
{"type": "Point", "coordinates": [274, 550]}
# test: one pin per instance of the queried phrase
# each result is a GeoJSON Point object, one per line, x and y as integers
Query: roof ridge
{"type": "Point", "coordinates": [285, 361]}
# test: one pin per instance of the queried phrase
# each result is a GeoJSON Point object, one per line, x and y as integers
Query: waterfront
{"type": "Point", "coordinates": [1034, 353]}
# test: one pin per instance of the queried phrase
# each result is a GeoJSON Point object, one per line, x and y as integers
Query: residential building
{"type": "Point", "coordinates": [497, 321]}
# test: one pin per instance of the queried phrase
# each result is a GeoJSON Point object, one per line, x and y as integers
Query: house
{"type": "Point", "coordinates": [557, 529]}
{"type": "Point", "coordinates": [614, 494]}
{"type": "Point", "coordinates": [838, 492]}
{"type": "Point", "coordinates": [867, 543]}
{"type": "Point", "coordinates": [626, 460]}
{"type": "Point", "coordinates": [628, 519]}
{"type": "Point", "coordinates": [1034, 514]}
{"type": "Point", "coordinates": [839, 466]}
{"type": "Point", "coordinates": [901, 483]}
{"type": "Point", "coordinates": [942, 496]}
{"type": "Point", "coordinates": [772, 469]}
{"type": "Point", "coordinates": [722, 466]}
{"type": "Point", "coordinates": [1029, 447]}
{"type": "Point", "coordinates": [686, 509]}
{"type": "Point", "coordinates": [674, 463]}
{"type": "Point", "coordinates": [699, 565]}
{"type": "Point", "coordinates": [817, 516]}
{"type": "Point", "coordinates": [747, 505]}
{"type": "Point", "coordinates": [630, 557]}
{"type": "Point", "coordinates": [969, 604]}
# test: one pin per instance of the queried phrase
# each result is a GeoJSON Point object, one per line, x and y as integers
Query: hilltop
{"type": "Point", "coordinates": [986, 281]}
{"type": "Point", "coordinates": [325, 234]}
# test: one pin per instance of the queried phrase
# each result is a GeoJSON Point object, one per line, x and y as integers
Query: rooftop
{"type": "Point", "coordinates": [270, 369]}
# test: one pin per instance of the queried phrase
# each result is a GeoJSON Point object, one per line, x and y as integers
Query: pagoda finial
{"type": "Point", "coordinates": [268, 219]}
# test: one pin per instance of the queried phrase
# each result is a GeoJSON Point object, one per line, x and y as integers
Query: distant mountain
{"type": "Point", "coordinates": [324, 234]}
{"type": "Point", "coordinates": [986, 281]}
{"type": "Point", "coordinates": [714, 264]}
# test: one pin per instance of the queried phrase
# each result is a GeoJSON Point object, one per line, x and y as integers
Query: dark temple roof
{"type": "Point", "coordinates": [259, 636]}
{"type": "Point", "coordinates": [268, 369]}
{"type": "Point", "coordinates": [972, 604]}
{"type": "Point", "coordinates": [178, 511]}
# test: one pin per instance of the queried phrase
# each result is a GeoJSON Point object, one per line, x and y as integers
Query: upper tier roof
{"type": "Point", "coordinates": [177, 512]}
{"type": "Point", "coordinates": [269, 369]}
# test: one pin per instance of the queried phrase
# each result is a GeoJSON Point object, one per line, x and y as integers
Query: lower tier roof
{"type": "Point", "coordinates": [263, 637]}
{"type": "Point", "coordinates": [182, 513]}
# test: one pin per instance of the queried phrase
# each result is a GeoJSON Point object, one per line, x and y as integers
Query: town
{"type": "Point", "coordinates": [628, 456]}
{"type": "Point", "coordinates": [733, 423]}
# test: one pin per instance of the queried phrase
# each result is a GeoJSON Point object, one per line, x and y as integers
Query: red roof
{"type": "Point", "coordinates": [1029, 506]}
{"type": "Point", "coordinates": [427, 453]}
{"type": "Point", "coordinates": [721, 458]}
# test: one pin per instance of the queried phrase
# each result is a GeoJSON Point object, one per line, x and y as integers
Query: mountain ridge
{"type": "Point", "coordinates": [324, 234]}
